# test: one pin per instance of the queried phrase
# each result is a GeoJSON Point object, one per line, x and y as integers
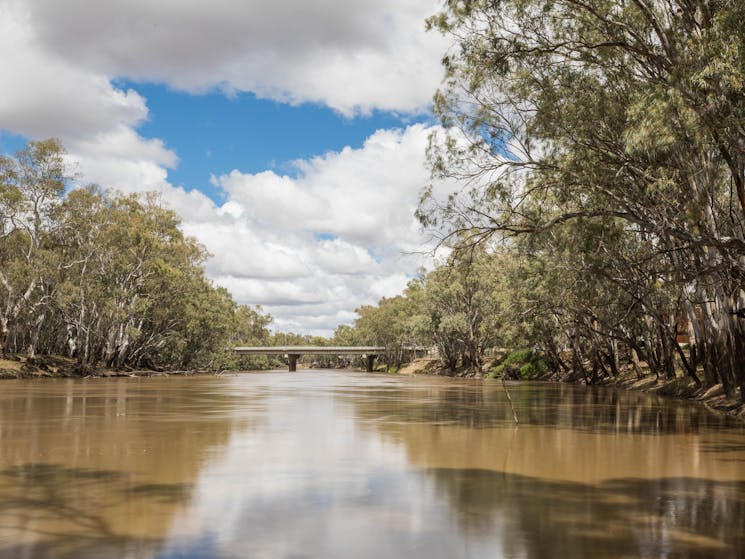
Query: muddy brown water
{"type": "Point", "coordinates": [338, 464]}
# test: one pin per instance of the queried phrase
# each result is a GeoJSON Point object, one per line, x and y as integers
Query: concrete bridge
{"type": "Point", "coordinates": [293, 352]}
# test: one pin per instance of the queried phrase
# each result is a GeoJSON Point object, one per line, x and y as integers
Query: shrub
{"type": "Point", "coordinates": [521, 364]}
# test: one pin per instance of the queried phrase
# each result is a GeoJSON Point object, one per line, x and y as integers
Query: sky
{"type": "Point", "coordinates": [289, 136]}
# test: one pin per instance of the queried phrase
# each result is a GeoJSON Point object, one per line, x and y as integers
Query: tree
{"type": "Point", "coordinates": [103, 277]}
{"type": "Point", "coordinates": [621, 114]}
{"type": "Point", "coordinates": [461, 301]}
{"type": "Point", "coordinates": [31, 185]}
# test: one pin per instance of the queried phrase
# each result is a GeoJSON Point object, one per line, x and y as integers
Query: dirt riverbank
{"type": "Point", "coordinates": [15, 367]}
{"type": "Point", "coordinates": [45, 366]}
{"type": "Point", "coordinates": [682, 388]}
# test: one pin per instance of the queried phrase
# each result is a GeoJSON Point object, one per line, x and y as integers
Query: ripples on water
{"type": "Point", "coordinates": [330, 464]}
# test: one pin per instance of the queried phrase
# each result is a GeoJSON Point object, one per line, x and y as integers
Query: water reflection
{"type": "Point", "coordinates": [324, 464]}
{"type": "Point", "coordinates": [100, 468]}
{"type": "Point", "coordinates": [581, 408]}
{"type": "Point", "coordinates": [539, 518]}
{"type": "Point", "coordinates": [570, 434]}
{"type": "Point", "coordinates": [50, 510]}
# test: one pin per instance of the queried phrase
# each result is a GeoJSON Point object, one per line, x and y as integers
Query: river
{"type": "Point", "coordinates": [352, 465]}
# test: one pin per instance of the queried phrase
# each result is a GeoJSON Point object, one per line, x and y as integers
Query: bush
{"type": "Point", "coordinates": [521, 364]}
{"type": "Point", "coordinates": [681, 387]}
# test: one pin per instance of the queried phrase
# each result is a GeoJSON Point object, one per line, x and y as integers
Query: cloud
{"type": "Point", "coordinates": [121, 159]}
{"type": "Point", "coordinates": [43, 95]}
{"type": "Point", "coordinates": [309, 247]}
{"type": "Point", "coordinates": [367, 195]}
{"type": "Point", "coordinates": [352, 56]}
{"type": "Point", "coordinates": [59, 59]}
{"type": "Point", "coordinates": [314, 247]}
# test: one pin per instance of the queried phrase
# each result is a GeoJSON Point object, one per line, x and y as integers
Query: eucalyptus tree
{"type": "Point", "coordinates": [607, 111]}
{"type": "Point", "coordinates": [461, 300]}
{"type": "Point", "coordinates": [389, 324]}
{"type": "Point", "coordinates": [103, 277]}
{"type": "Point", "coordinates": [154, 285]}
{"type": "Point", "coordinates": [132, 290]}
{"type": "Point", "coordinates": [346, 335]}
{"type": "Point", "coordinates": [31, 186]}
{"type": "Point", "coordinates": [84, 215]}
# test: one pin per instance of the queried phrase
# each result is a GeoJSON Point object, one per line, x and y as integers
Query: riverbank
{"type": "Point", "coordinates": [15, 366]}
{"type": "Point", "coordinates": [714, 398]}
{"type": "Point", "coordinates": [680, 388]}
{"type": "Point", "coordinates": [45, 366]}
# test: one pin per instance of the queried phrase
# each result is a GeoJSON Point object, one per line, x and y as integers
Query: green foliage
{"type": "Point", "coordinates": [521, 364]}
{"type": "Point", "coordinates": [462, 305]}
{"type": "Point", "coordinates": [678, 388]}
{"type": "Point", "coordinates": [105, 278]}
{"type": "Point", "coordinates": [601, 142]}
{"type": "Point", "coordinates": [455, 308]}
{"type": "Point", "coordinates": [395, 323]}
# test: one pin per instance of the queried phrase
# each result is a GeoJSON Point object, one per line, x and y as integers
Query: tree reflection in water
{"type": "Point", "coordinates": [101, 468]}
{"type": "Point", "coordinates": [581, 408]}
{"type": "Point", "coordinates": [53, 511]}
{"type": "Point", "coordinates": [590, 472]}
{"type": "Point", "coordinates": [327, 464]}
{"type": "Point", "coordinates": [539, 518]}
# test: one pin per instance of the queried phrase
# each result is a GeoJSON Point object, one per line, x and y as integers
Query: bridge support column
{"type": "Point", "coordinates": [292, 361]}
{"type": "Point", "coordinates": [369, 360]}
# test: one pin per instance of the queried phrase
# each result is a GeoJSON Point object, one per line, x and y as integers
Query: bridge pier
{"type": "Point", "coordinates": [292, 361]}
{"type": "Point", "coordinates": [369, 360]}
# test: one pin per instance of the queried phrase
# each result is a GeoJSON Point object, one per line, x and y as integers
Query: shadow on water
{"type": "Point", "coordinates": [163, 492]}
{"type": "Point", "coordinates": [545, 519]}
{"type": "Point", "coordinates": [69, 513]}
{"type": "Point", "coordinates": [580, 408]}
{"type": "Point", "coordinates": [107, 468]}
{"type": "Point", "coordinates": [589, 472]}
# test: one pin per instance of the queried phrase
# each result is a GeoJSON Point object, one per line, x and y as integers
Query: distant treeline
{"type": "Point", "coordinates": [105, 278]}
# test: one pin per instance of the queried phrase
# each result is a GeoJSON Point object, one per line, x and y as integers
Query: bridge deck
{"type": "Point", "coordinates": [294, 352]}
{"type": "Point", "coordinates": [310, 350]}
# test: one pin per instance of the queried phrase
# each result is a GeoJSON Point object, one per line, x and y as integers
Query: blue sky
{"type": "Point", "coordinates": [213, 133]}
{"type": "Point", "coordinates": [290, 137]}
{"type": "Point", "coordinates": [9, 142]}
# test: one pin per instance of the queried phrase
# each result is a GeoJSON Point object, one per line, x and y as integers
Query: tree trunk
{"type": "Point", "coordinates": [635, 362]}
{"type": "Point", "coordinates": [34, 335]}
{"type": "Point", "coordinates": [3, 335]}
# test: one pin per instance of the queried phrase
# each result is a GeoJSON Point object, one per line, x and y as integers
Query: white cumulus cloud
{"type": "Point", "coordinates": [340, 234]}
{"type": "Point", "coordinates": [310, 246]}
{"type": "Point", "coordinates": [352, 56]}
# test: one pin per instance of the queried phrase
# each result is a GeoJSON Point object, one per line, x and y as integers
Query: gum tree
{"type": "Point", "coordinates": [624, 113]}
